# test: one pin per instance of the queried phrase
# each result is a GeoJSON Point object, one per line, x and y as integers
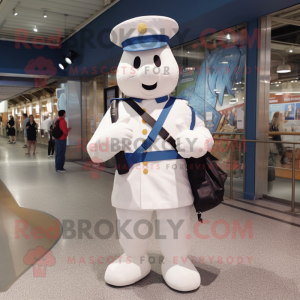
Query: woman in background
{"type": "Point", "coordinates": [277, 125]}
{"type": "Point", "coordinates": [31, 134]}
{"type": "Point", "coordinates": [11, 130]}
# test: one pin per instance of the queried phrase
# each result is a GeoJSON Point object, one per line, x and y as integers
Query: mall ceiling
{"type": "Point", "coordinates": [285, 46]}
{"type": "Point", "coordinates": [69, 15]}
{"type": "Point", "coordinates": [286, 27]}
{"type": "Point", "coordinates": [21, 90]}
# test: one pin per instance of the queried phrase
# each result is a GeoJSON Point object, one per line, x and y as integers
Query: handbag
{"type": "Point", "coordinates": [206, 178]}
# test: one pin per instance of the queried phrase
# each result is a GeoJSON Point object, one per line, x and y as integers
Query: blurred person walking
{"type": "Point", "coordinates": [51, 142]}
{"type": "Point", "coordinates": [11, 130]}
{"type": "Point", "coordinates": [25, 121]}
{"type": "Point", "coordinates": [277, 125]}
{"type": "Point", "coordinates": [31, 127]}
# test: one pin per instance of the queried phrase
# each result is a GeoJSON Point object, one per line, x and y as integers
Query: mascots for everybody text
{"type": "Point", "coordinates": [157, 178]}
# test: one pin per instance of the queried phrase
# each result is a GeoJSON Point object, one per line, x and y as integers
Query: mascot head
{"type": "Point", "coordinates": [148, 69]}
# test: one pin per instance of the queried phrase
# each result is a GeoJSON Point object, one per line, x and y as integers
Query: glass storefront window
{"type": "Point", "coordinates": [284, 106]}
{"type": "Point", "coordinates": [212, 74]}
{"type": "Point", "coordinates": [212, 79]}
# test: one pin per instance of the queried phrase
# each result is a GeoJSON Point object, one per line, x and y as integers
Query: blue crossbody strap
{"type": "Point", "coordinates": [134, 157]}
{"type": "Point", "coordinates": [153, 156]}
{"type": "Point", "coordinates": [193, 123]}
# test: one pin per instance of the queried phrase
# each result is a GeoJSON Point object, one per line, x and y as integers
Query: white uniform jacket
{"type": "Point", "coordinates": [152, 185]}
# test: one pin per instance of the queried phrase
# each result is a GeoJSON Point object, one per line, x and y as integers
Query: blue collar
{"type": "Point", "coordinates": [158, 100]}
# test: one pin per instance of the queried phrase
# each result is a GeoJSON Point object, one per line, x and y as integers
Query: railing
{"type": "Point", "coordinates": [263, 142]}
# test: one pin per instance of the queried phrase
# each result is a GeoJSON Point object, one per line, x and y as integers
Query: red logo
{"type": "Point", "coordinates": [40, 258]}
{"type": "Point", "coordinates": [41, 68]}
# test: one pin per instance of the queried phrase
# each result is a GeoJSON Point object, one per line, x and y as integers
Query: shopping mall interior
{"type": "Point", "coordinates": [239, 71]}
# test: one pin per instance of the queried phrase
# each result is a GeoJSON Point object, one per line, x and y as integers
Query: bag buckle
{"type": "Point", "coordinates": [199, 216]}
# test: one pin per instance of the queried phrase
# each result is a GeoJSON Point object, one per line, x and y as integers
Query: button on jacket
{"type": "Point", "coordinates": [155, 184]}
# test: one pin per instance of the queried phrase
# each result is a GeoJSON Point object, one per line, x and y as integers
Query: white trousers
{"type": "Point", "coordinates": [172, 229]}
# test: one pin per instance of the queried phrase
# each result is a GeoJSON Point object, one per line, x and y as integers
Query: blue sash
{"type": "Point", "coordinates": [140, 155]}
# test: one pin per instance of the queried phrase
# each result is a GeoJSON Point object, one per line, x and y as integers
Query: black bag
{"type": "Point", "coordinates": [56, 131]}
{"type": "Point", "coordinates": [207, 179]}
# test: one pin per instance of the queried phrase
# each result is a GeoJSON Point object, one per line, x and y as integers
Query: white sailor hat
{"type": "Point", "coordinates": [144, 33]}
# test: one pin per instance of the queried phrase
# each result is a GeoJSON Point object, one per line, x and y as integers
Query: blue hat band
{"type": "Point", "coordinates": [146, 42]}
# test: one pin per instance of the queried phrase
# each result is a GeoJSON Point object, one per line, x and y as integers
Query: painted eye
{"type": "Point", "coordinates": [157, 61]}
{"type": "Point", "coordinates": [137, 62]}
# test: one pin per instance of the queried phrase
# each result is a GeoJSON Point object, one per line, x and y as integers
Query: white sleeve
{"type": "Point", "coordinates": [200, 127]}
{"type": "Point", "coordinates": [98, 147]}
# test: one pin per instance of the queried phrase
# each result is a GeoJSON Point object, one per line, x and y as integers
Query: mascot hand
{"type": "Point", "coordinates": [120, 134]}
{"type": "Point", "coordinates": [191, 143]}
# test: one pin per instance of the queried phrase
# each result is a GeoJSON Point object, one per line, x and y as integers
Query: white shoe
{"type": "Point", "coordinates": [182, 277]}
{"type": "Point", "coordinates": [48, 155]}
{"type": "Point", "coordinates": [127, 270]}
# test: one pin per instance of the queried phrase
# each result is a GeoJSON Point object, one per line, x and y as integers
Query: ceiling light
{"type": "Point", "coordinates": [35, 29]}
{"type": "Point", "coordinates": [277, 84]}
{"type": "Point", "coordinates": [272, 83]}
{"type": "Point", "coordinates": [279, 94]}
{"type": "Point", "coordinates": [292, 81]}
{"type": "Point", "coordinates": [224, 62]}
{"type": "Point", "coordinates": [228, 36]}
{"type": "Point", "coordinates": [63, 65]}
{"type": "Point", "coordinates": [284, 69]}
{"type": "Point", "coordinates": [15, 12]}
{"type": "Point", "coordinates": [72, 55]}
{"type": "Point", "coordinates": [45, 15]}
{"type": "Point", "coordinates": [290, 50]}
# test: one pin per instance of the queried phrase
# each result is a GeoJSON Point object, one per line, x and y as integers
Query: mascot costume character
{"type": "Point", "coordinates": [157, 177]}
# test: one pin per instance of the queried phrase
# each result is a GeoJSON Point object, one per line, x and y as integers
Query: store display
{"type": "Point", "coordinates": [207, 87]}
{"type": "Point", "coordinates": [158, 181]}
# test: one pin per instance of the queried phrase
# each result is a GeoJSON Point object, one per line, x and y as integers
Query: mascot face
{"type": "Point", "coordinates": [148, 74]}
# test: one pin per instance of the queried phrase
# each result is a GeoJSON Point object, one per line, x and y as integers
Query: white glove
{"type": "Point", "coordinates": [192, 143]}
{"type": "Point", "coordinates": [120, 134]}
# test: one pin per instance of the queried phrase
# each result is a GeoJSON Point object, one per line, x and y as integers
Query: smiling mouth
{"type": "Point", "coordinates": [149, 87]}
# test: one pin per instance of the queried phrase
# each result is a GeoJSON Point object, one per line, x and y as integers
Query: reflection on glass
{"type": "Point", "coordinates": [212, 79]}
{"type": "Point", "coordinates": [284, 107]}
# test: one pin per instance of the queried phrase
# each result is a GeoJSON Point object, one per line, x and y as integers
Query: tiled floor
{"type": "Point", "coordinates": [262, 264]}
